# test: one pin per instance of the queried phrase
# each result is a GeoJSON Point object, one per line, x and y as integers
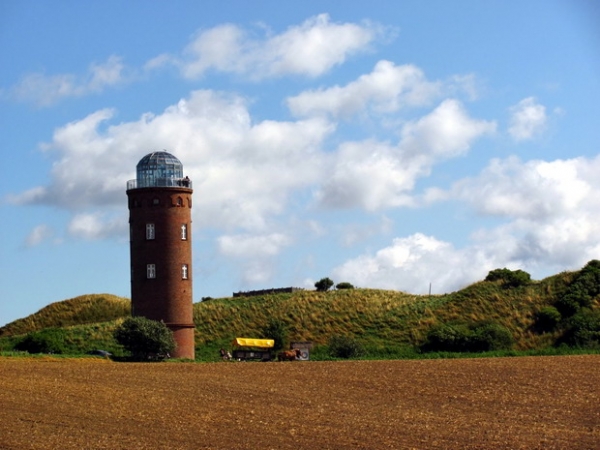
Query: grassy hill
{"type": "Point", "coordinates": [85, 309]}
{"type": "Point", "coordinates": [379, 317]}
{"type": "Point", "coordinates": [381, 320]}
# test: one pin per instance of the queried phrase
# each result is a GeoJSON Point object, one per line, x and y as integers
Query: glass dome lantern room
{"type": "Point", "coordinates": [159, 169]}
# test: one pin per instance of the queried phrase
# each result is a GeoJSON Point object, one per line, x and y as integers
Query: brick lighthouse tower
{"type": "Point", "coordinates": [160, 223]}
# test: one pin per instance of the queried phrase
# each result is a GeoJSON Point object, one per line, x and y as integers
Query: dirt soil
{"type": "Point", "coordinates": [502, 403]}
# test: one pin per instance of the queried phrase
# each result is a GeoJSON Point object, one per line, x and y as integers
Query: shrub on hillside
{"type": "Point", "coordinates": [447, 338]}
{"type": "Point", "coordinates": [547, 319]}
{"type": "Point", "coordinates": [276, 329]}
{"type": "Point", "coordinates": [145, 338]}
{"type": "Point", "coordinates": [581, 292]}
{"type": "Point", "coordinates": [50, 340]}
{"type": "Point", "coordinates": [567, 306]}
{"type": "Point", "coordinates": [345, 347]}
{"type": "Point", "coordinates": [324, 284]}
{"type": "Point", "coordinates": [488, 337]}
{"type": "Point", "coordinates": [344, 285]}
{"type": "Point", "coordinates": [583, 330]}
{"type": "Point", "coordinates": [589, 278]}
{"type": "Point", "coordinates": [509, 278]}
{"type": "Point", "coordinates": [461, 337]}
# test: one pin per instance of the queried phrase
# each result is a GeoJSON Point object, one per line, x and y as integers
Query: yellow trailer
{"type": "Point", "coordinates": [245, 349]}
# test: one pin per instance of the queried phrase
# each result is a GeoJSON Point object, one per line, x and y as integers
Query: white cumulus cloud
{"type": "Point", "coordinates": [369, 175]}
{"type": "Point", "coordinates": [548, 210]}
{"type": "Point", "coordinates": [251, 246]}
{"type": "Point", "coordinates": [254, 253]}
{"type": "Point", "coordinates": [446, 132]}
{"type": "Point", "coordinates": [45, 90]}
{"type": "Point", "coordinates": [387, 88]}
{"type": "Point", "coordinates": [242, 172]}
{"type": "Point", "coordinates": [410, 264]}
{"type": "Point", "coordinates": [91, 226]}
{"type": "Point", "coordinates": [528, 119]}
{"type": "Point", "coordinates": [534, 190]}
{"type": "Point", "coordinates": [309, 49]}
{"type": "Point", "coordinates": [374, 175]}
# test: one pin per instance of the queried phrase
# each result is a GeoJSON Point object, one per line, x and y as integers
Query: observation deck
{"type": "Point", "coordinates": [159, 182]}
{"type": "Point", "coordinates": [159, 169]}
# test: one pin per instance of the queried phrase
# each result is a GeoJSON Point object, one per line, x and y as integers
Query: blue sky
{"type": "Point", "coordinates": [390, 144]}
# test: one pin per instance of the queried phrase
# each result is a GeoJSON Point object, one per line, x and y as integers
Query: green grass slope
{"type": "Point", "coordinates": [380, 319]}
{"type": "Point", "coordinates": [85, 309]}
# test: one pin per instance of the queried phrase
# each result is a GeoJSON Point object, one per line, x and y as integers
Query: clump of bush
{"type": "Point", "coordinates": [489, 337]}
{"type": "Point", "coordinates": [509, 278]}
{"type": "Point", "coordinates": [581, 292]}
{"type": "Point", "coordinates": [276, 329]}
{"type": "Point", "coordinates": [547, 319]}
{"type": "Point", "coordinates": [447, 338]}
{"type": "Point", "coordinates": [345, 347]}
{"type": "Point", "coordinates": [49, 340]}
{"type": "Point", "coordinates": [569, 305]}
{"type": "Point", "coordinates": [583, 330]}
{"type": "Point", "coordinates": [344, 285]}
{"type": "Point", "coordinates": [461, 337]}
{"type": "Point", "coordinates": [145, 339]}
{"type": "Point", "coordinates": [324, 284]}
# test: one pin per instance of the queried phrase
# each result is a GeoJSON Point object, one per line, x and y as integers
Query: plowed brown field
{"type": "Point", "coordinates": [508, 403]}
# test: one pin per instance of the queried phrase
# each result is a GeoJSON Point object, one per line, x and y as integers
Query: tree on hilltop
{"type": "Point", "coordinates": [324, 284]}
{"type": "Point", "coordinates": [509, 278]}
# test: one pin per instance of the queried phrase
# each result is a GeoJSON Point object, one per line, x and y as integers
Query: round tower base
{"type": "Point", "coordinates": [184, 337]}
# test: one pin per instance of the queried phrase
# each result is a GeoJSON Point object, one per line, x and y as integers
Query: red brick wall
{"type": "Point", "coordinates": [167, 297]}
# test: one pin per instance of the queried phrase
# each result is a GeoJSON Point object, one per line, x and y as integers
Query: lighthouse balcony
{"type": "Point", "coordinates": [159, 182]}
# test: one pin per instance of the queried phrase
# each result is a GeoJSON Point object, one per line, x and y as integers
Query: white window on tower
{"type": "Point", "coordinates": [184, 272]}
{"type": "Point", "coordinates": [149, 231]}
{"type": "Point", "coordinates": [150, 271]}
{"type": "Point", "coordinates": [184, 232]}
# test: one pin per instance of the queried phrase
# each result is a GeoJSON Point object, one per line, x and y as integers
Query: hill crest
{"type": "Point", "coordinates": [376, 317]}
{"type": "Point", "coordinates": [84, 309]}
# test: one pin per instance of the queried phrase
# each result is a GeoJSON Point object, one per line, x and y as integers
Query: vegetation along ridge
{"type": "Point", "coordinates": [506, 311]}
